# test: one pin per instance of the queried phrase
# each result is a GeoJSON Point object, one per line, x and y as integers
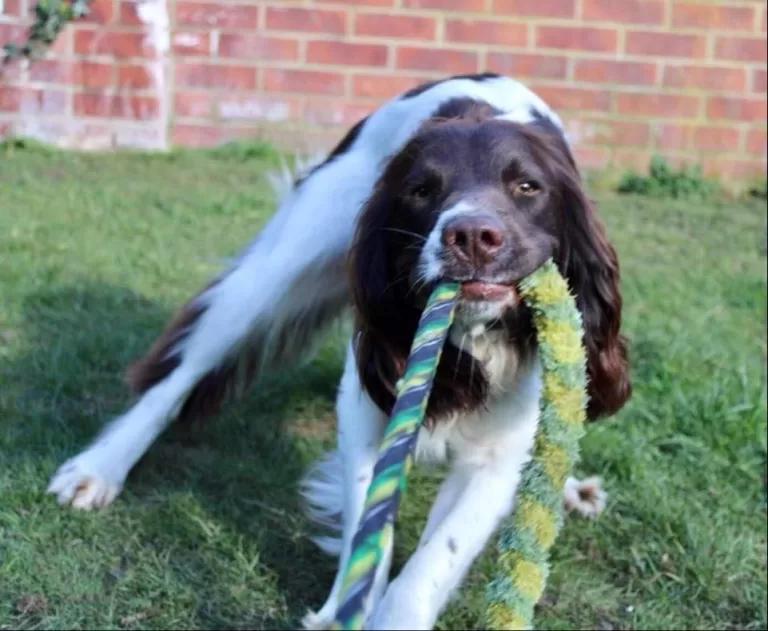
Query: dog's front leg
{"type": "Point", "coordinates": [360, 427]}
{"type": "Point", "coordinates": [415, 599]}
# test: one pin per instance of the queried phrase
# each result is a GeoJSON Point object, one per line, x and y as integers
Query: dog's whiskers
{"type": "Point", "coordinates": [458, 357]}
{"type": "Point", "coordinates": [421, 237]}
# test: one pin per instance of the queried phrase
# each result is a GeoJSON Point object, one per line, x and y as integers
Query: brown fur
{"type": "Point", "coordinates": [388, 305]}
{"type": "Point", "coordinates": [161, 359]}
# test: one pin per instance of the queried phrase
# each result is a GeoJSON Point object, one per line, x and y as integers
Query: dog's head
{"type": "Point", "coordinates": [484, 202]}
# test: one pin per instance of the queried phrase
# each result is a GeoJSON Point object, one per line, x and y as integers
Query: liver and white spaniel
{"type": "Point", "coordinates": [469, 179]}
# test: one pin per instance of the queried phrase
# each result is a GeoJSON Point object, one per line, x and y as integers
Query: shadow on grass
{"type": "Point", "coordinates": [241, 467]}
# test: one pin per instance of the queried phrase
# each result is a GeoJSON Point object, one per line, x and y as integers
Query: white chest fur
{"type": "Point", "coordinates": [506, 426]}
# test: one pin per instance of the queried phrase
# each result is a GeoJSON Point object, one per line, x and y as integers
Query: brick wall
{"type": "Point", "coordinates": [631, 77]}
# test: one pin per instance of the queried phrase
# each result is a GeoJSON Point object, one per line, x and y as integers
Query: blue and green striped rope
{"type": "Point", "coordinates": [376, 530]}
{"type": "Point", "coordinates": [526, 538]}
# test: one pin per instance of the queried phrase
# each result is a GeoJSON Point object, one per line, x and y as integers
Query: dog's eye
{"type": "Point", "coordinates": [527, 188]}
{"type": "Point", "coordinates": [424, 191]}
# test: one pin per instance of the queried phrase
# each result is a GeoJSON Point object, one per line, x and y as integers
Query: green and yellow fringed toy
{"type": "Point", "coordinates": [526, 538]}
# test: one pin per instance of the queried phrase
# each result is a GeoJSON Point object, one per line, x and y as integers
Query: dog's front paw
{"type": "Point", "coordinates": [316, 621]}
{"type": "Point", "coordinates": [586, 497]}
{"type": "Point", "coordinates": [87, 481]}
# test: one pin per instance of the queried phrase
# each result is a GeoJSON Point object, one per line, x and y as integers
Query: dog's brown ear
{"type": "Point", "coordinates": [386, 317]}
{"type": "Point", "coordinates": [589, 263]}
{"type": "Point", "coordinates": [591, 266]}
{"type": "Point", "coordinates": [381, 348]}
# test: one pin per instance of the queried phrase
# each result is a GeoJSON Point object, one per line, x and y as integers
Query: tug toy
{"type": "Point", "coordinates": [526, 538]}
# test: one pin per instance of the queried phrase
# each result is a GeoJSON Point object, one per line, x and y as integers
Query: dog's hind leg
{"type": "Point", "coordinates": [262, 314]}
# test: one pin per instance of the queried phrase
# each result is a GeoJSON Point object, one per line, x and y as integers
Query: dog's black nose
{"type": "Point", "coordinates": [474, 239]}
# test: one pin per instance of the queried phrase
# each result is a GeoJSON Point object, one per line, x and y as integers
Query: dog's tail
{"type": "Point", "coordinates": [322, 491]}
{"type": "Point", "coordinates": [272, 304]}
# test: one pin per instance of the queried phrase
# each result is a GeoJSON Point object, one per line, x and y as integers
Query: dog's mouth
{"type": "Point", "coordinates": [477, 290]}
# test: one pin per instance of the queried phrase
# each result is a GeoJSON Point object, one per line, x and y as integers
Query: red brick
{"type": "Point", "coordinates": [608, 132]}
{"type": "Point", "coordinates": [10, 98]}
{"type": "Point", "coordinates": [459, 6]}
{"type": "Point", "coordinates": [624, 11]}
{"type": "Point", "coordinates": [347, 53]}
{"type": "Point", "coordinates": [129, 14]}
{"type": "Point", "coordinates": [307, 20]}
{"type": "Point", "coordinates": [129, 136]}
{"type": "Point", "coordinates": [737, 109]}
{"type": "Point", "coordinates": [62, 46]}
{"type": "Point", "coordinates": [258, 107]}
{"type": "Point", "coordinates": [759, 81]}
{"type": "Point", "coordinates": [603, 71]}
{"type": "Point", "coordinates": [45, 101]}
{"type": "Point", "coordinates": [625, 133]}
{"type": "Point", "coordinates": [383, 86]}
{"type": "Point", "coordinates": [658, 105]}
{"type": "Point", "coordinates": [212, 15]}
{"type": "Point", "coordinates": [486, 32]}
{"type": "Point", "coordinates": [577, 38]}
{"type": "Point", "coordinates": [191, 43]}
{"type": "Point", "coordinates": [303, 81]}
{"type": "Point", "coordinates": [512, 64]}
{"type": "Point", "coordinates": [135, 77]}
{"type": "Point", "coordinates": [437, 60]}
{"type": "Point", "coordinates": [89, 74]}
{"type": "Point", "coordinates": [116, 106]}
{"type": "Point", "coordinates": [689, 15]}
{"type": "Point", "coordinates": [193, 104]}
{"type": "Point", "coordinates": [11, 7]}
{"type": "Point", "coordinates": [474, 6]}
{"type": "Point", "coordinates": [367, 3]}
{"type": "Point", "coordinates": [756, 141]}
{"type": "Point", "coordinates": [51, 71]}
{"type": "Point", "coordinates": [716, 139]}
{"type": "Point", "coordinates": [100, 11]}
{"type": "Point", "coordinates": [674, 137]}
{"type": "Point", "coordinates": [739, 170]}
{"type": "Point", "coordinates": [120, 45]}
{"type": "Point", "coordinates": [665, 44]}
{"type": "Point", "coordinates": [538, 8]}
{"type": "Point", "coordinates": [258, 47]}
{"type": "Point", "coordinates": [325, 112]}
{"type": "Point", "coordinates": [397, 26]}
{"type": "Point", "coordinates": [631, 159]}
{"type": "Point", "coordinates": [192, 75]}
{"type": "Point", "coordinates": [705, 78]}
{"type": "Point", "coordinates": [751, 49]}
{"type": "Point", "coordinates": [12, 33]}
{"type": "Point", "coordinates": [196, 136]}
{"type": "Point", "coordinates": [568, 98]}
{"type": "Point", "coordinates": [591, 157]}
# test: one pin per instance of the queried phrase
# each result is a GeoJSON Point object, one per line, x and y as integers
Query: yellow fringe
{"type": "Point", "coordinates": [538, 519]}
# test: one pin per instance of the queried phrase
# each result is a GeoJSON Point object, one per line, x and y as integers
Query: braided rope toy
{"type": "Point", "coordinates": [525, 539]}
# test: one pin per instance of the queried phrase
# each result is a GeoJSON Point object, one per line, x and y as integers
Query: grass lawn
{"type": "Point", "coordinates": [96, 251]}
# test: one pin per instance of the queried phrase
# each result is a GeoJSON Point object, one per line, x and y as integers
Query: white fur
{"type": "Point", "coordinates": [291, 267]}
{"type": "Point", "coordinates": [430, 259]}
{"type": "Point", "coordinates": [487, 450]}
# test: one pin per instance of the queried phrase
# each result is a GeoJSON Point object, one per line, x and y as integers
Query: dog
{"type": "Point", "coordinates": [471, 179]}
